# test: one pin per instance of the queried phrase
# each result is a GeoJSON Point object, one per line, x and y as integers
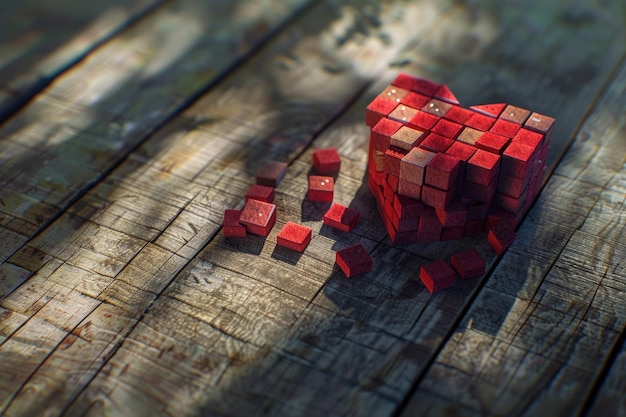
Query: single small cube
{"type": "Point", "coordinates": [271, 173]}
{"type": "Point", "coordinates": [394, 93]}
{"type": "Point", "coordinates": [479, 192]}
{"type": "Point", "coordinates": [505, 128]}
{"type": "Point", "coordinates": [453, 233]}
{"type": "Point", "coordinates": [413, 165]}
{"type": "Point", "coordinates": [516, 160]}
{"type": "Point", "coordinates": [442, 171]}
{"type": "Point", "coordinates": [378, 109]}
{"type": "Point", "coordinates": [341, 217]}
{"type": "Point", "coordinates": [501, 237]}
{"type": "Point", "coordinates": [528, 138]}
{"type": "Point", "coordinates": [393, 181]}
{"type": "Point", "coordinates": [392, 160]}
{"type": "Point", "coordinates": [454, 215]}
{"type": "Point", "coordinates": [445, 94]}
{"type": "Point", "coordinates": [419, 85]}
{"type": "Point", "coordinates": [407, 207]}
{"type": "Point", "coordinates": [327, 160]}
{"type": "Point", "coordinates": [468, 264]}
{"type": "Point", "coordinates": [447, 128]}
{"type": "Point", "coordinates": [437, 275]}
{"type": "Point", "coordinates": [407, 138]}
{"type": "Point", "coordinates": [480, 122]}
{"type": "Point", "coordinates": [321, 189]}
{"type": "Point", "coordinates": [258, 217]}
{"type": "Point", "coordinates": [437, 198]}
{"type": "Point", "coordinates": [354, 260]}
{"type": "Point", "coordinates": [436, 143]}
{"type": "Point", "coordinates": [380, 136]}
{"type": "Point", "coordinates": [294, 236]}
{"type": "Point", "coordinates": [415, 100]}
{"type": "Point", "coordinates": [539, 123]}
{"type": "Point", "coordinates": [515, 114]}
{"type": "Point", "coordinates": [409, 189]}
{"type": "Point", "coordinates": [437, 107]}
{"type": "Point", "coordinates": [492, 142]}
{"type": "Point", "coordinates": [403, 113]}
{"type": "Point", "coordinates": [423, 120]}
{"type": "Point", "coordinates": [429, 224]}
{"type": "Point", "coordinates": [474, 227]}
{"type": "Point", "coordinates": [482, 167]}
{"type": "Point", "coordinates": [232, 227]}
{"type": "Point", "coordinates": [459, 114]}
{"type": "Point", "coordinates": [493, 110]}
{"type": "Point", "coordinates": [469, 136]}
{"type": "Point", "coordinates": [261, 193]}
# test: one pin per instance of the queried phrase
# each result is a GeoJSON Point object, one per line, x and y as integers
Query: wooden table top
{"type": "Point", "coordinates": [128, 127]}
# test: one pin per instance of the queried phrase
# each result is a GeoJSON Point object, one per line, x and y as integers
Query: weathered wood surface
{"type": "Point", "coordinates": [122, 309]}
{"type": "Point", "coordinates": [39, 40]}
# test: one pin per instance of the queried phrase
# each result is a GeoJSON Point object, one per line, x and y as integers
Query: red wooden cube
{"type": "Point", "coordinates": [419, 85]}
{"type": "Point", "coordinates": [492, 142]}
{"type": "Point", "coordinates": [480, 122]}
{"type": "Point", "coordinates": [321, 189]}
{"type": "Point", "coordinates": [409, 189]}
{"type": "Point", "coordinates": [436, 143]}
{"type": "Point", "coordinates": [516, 160]}
{"type": "Point", "coordinates": [379, 108]}
{"type": "Point", "coordinates": [445, 94]}
{"type": "Point", "coordinates": [415, 100]}
{"type": "Point", "coordinates": [505, 128]}
{"type": "Point", "coordinates": [394, 93]}
{"type": "Point", "coordinates": [447, 128]}
{"type": "Point", "coordinates": [261, 193]}
{"type": "Point", "coordinates": [232, 227]}
{"type": "Point", "coordinates": [327, 161]}
{"type": "Point", "coordinates": [459, 114]}
{"type": "Point", "coordinates": [413, 165]}
{"type": "Point", "coordinates": [435, 197]}
{"type": "Point", "coordinates": [354, 260]}
{"type": "Point", "coordinates": [270, 173]}
{"type": "Point", "coordinates": [424, 120]}
{"type": "Point", "coordinates": [468, 264]}
{"type": "Point", "coordinates": [294, 236]}
{"type": "Point", "coordinates": [515, 114]}
{"type": "Point", "coordinates": [341, 217]}
{"type": "Point", "coordinates": [454, 215]}
{"type": "Point", "coordinates": [437, 275]}
{"type": "Point", "coordinates": [469, 136]}
{"type": "Point", "coordinates": [501, 237]}
{"type": "Point", "coordinates": [391, 161]}
{"type": "Point", "coordinates": [258, 217]}
{"type": "Point", "coordinates": [407, 138]}
{"type": "Point", "coordinates": [437, 107]}
{"type": "Point", "coordinates": [492, 110]}
{"type": "Point", "coordinates": [442, 171]}
{"type": "Point", "coordinates": [528, 138]}
{"type": "Point", "coordinates": [382, 132]}
{"type": "Point", "coordinates": [482, 167]}
{"type": "Point", "coordinates": [452, 233]}
{"type": "Point", "coordinates": [539, 123]}
{"type": "Point", "coordinates": [403, 113]}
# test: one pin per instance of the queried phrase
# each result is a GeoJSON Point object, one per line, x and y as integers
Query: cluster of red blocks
{"type": "Point", "coordinates": [258, 215]}
{"type": "Point", "coordinates": [439, 275]}
{"type": "Point", "coordinates": [440, 171]}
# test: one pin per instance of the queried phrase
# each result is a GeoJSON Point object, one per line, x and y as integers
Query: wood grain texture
{"type": "Point", "coordinates": [40, 40]}
{"type": "Point", "coordinates": [611, 399]}
{"type": "Point", "coordinates": [536, 337]}
{"type": "Point", "coordinates": [91, 117]}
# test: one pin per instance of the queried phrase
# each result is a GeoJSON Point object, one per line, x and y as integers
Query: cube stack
{"type": "Point", "coordinates": [440, 171]}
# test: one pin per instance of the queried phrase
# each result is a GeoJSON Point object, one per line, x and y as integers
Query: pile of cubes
{"type": "Point", "coordinates": [439, 171]}
{"type": "Point", "coordinates": [258, 215]}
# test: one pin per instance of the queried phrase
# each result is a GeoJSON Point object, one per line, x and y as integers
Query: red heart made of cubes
{"type": "Point", "coordinates": [440, 171]}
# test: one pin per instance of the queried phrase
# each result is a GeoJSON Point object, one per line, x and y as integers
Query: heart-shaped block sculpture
{"type": "Point", "coordinates": [440, 171]}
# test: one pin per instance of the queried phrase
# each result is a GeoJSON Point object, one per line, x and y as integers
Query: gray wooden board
{"type": "Point", "coordinates": [40, 40]}
{"type": "Point", "coordinates": [90, 118]}
{"type": "Point", "coordinates": [536, 338]}
{"type": "Point", "coordinates": [611, 399]}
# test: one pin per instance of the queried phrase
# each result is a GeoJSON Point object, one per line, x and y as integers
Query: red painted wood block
{"type": "Point", "coordinates": [413, 165]}
{"type": "Point", "coordinates": [419, 85]}
{"type": "Point", "coordinates": [394, 93]}
{"type": "Point", "coordinates": [468, 264]}
{"type": "Point", "coordinates": [403, 113]}
{"type": "Point", "coordinates": [354, 260]}
{"type": "Point", "coordinates": [436, 143]}
{"type": "Point", "coordinates": [461, 150]}
{"type": "Point", "coordinates": [501, 237]}
{"type": "Point", "coordinates": [459, 114]}
{"type": "Point", "coordinates": [437, 107]}
{"type": "Point", "coordinates": [516, 160]}
{"type": "Point", "coordinates": [378, 109]}
{"type": "Point", "coordinates": [452, 232]}
{"type": "Point", "coordinates": [515, 114]}
{"type": "Point", "coordinates": [341, 217]}
{"type": "Point", "coordinates": [423, 120]}
{"type": "Point", "coordinates": [528, 138]}
{"type": "Point", "coordinates": [442, 171]}
{"type": "Point", "coordinates": [391, 161]}
{"type": "Point", "coordinates": [421, 237]}
{"type": "Point", "coordinates": [539, 123]}
{"type": "Point", "coordinates": [409, 189]}
{"type": "Point", "coordinates": [382, 132]}
{"type": "Point", "coordinates": [492, 142]}
{"type": "Point", "coordinates": [479, 192]}
{"type": "Point", "coordinates": [492, 110]}
{"type": "Point", "coordinates": [454, 215]}
{"type": "Point", "coordinates": [469, 136]}
{"type": "Point", "coordinates": [258, 217]}
{"type": "Point", "coordinates": [232, 227]}
{"type": "Point", "coordinates": [407, 138]}
{"type": "Point", "coordinates": [321, 189]}
{"type": "Point", "coordinates": [505, 128]}
{"type": "Point", "coordinates": [511, 204]}
{"type": "Point", "coordinates": [480, 122]}
{"type": "Point", "coordinates": [407, 207]}
{"type": "Point", "coordinates": [445, 94]}
{"type": "Point", "coordinates": [497, 215]}
{"type": "Point", "coordinates": [327, 160]}
{"type": "Point", "coordinates": [429, 224]}
{"type": "Point", "coordinates": [437, 275]}
{"type": "Point", "coordinates": [261, 193]}
{"type": "Point", "coordinates": [415, 100]}
{"type": "Point", "coordinates": [512, 186]}
{"type": "Point", "coordinates": [393, 181]}
{"type": "Point", "coordinates": [294, 236]}
{"type": "Point", "coordinates": [271, 173]}
{"type": "Point", "coordinates": [474, 227]}
{"type": "Point", "coordinates": [447, 128]}
{"type": "Point", "coordinates": [482, 167]}
{"type": "Point", "coordinates": [435, 197]}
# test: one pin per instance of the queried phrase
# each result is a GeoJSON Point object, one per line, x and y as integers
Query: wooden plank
{"type": "Point", "coordinates": [39, 41]}
{"type": "Point", "coordinates": [167, 203]}
{"type": "Point", "coordinates": [91, 117]}
{"type": "Point", "coordinates": [535, 344]}
{"type": "Point", "coordinates": [611, 399]}
{"type": "Point", "coordinates": [356, 346]}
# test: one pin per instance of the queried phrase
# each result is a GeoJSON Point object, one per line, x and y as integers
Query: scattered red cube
{"type": "Point", "coordinates": [354, 260]}
{"type": "Point", "coordinates": [468, 264]}
{"type": "Point", "coordinates": [437, 275]}
{"type": "Point", "coordinates": [258, 217]}
{"type": "Point", "coordinates": [294, 236]}
{"type": "Point", "coordinates": [321, 189]}
{"type": "Point", "coordinates": [501, 237]}
{"type": "Point", "coordinates": [261, 193]}
{"type": "Point", "coordinates": [271, 173]}
{"type": "Point", "coordinates": [327, 161]}
{"type": "Point", "coordinates": [341, 217]}
{"type": "Point", "coordinates": [232, 227]}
